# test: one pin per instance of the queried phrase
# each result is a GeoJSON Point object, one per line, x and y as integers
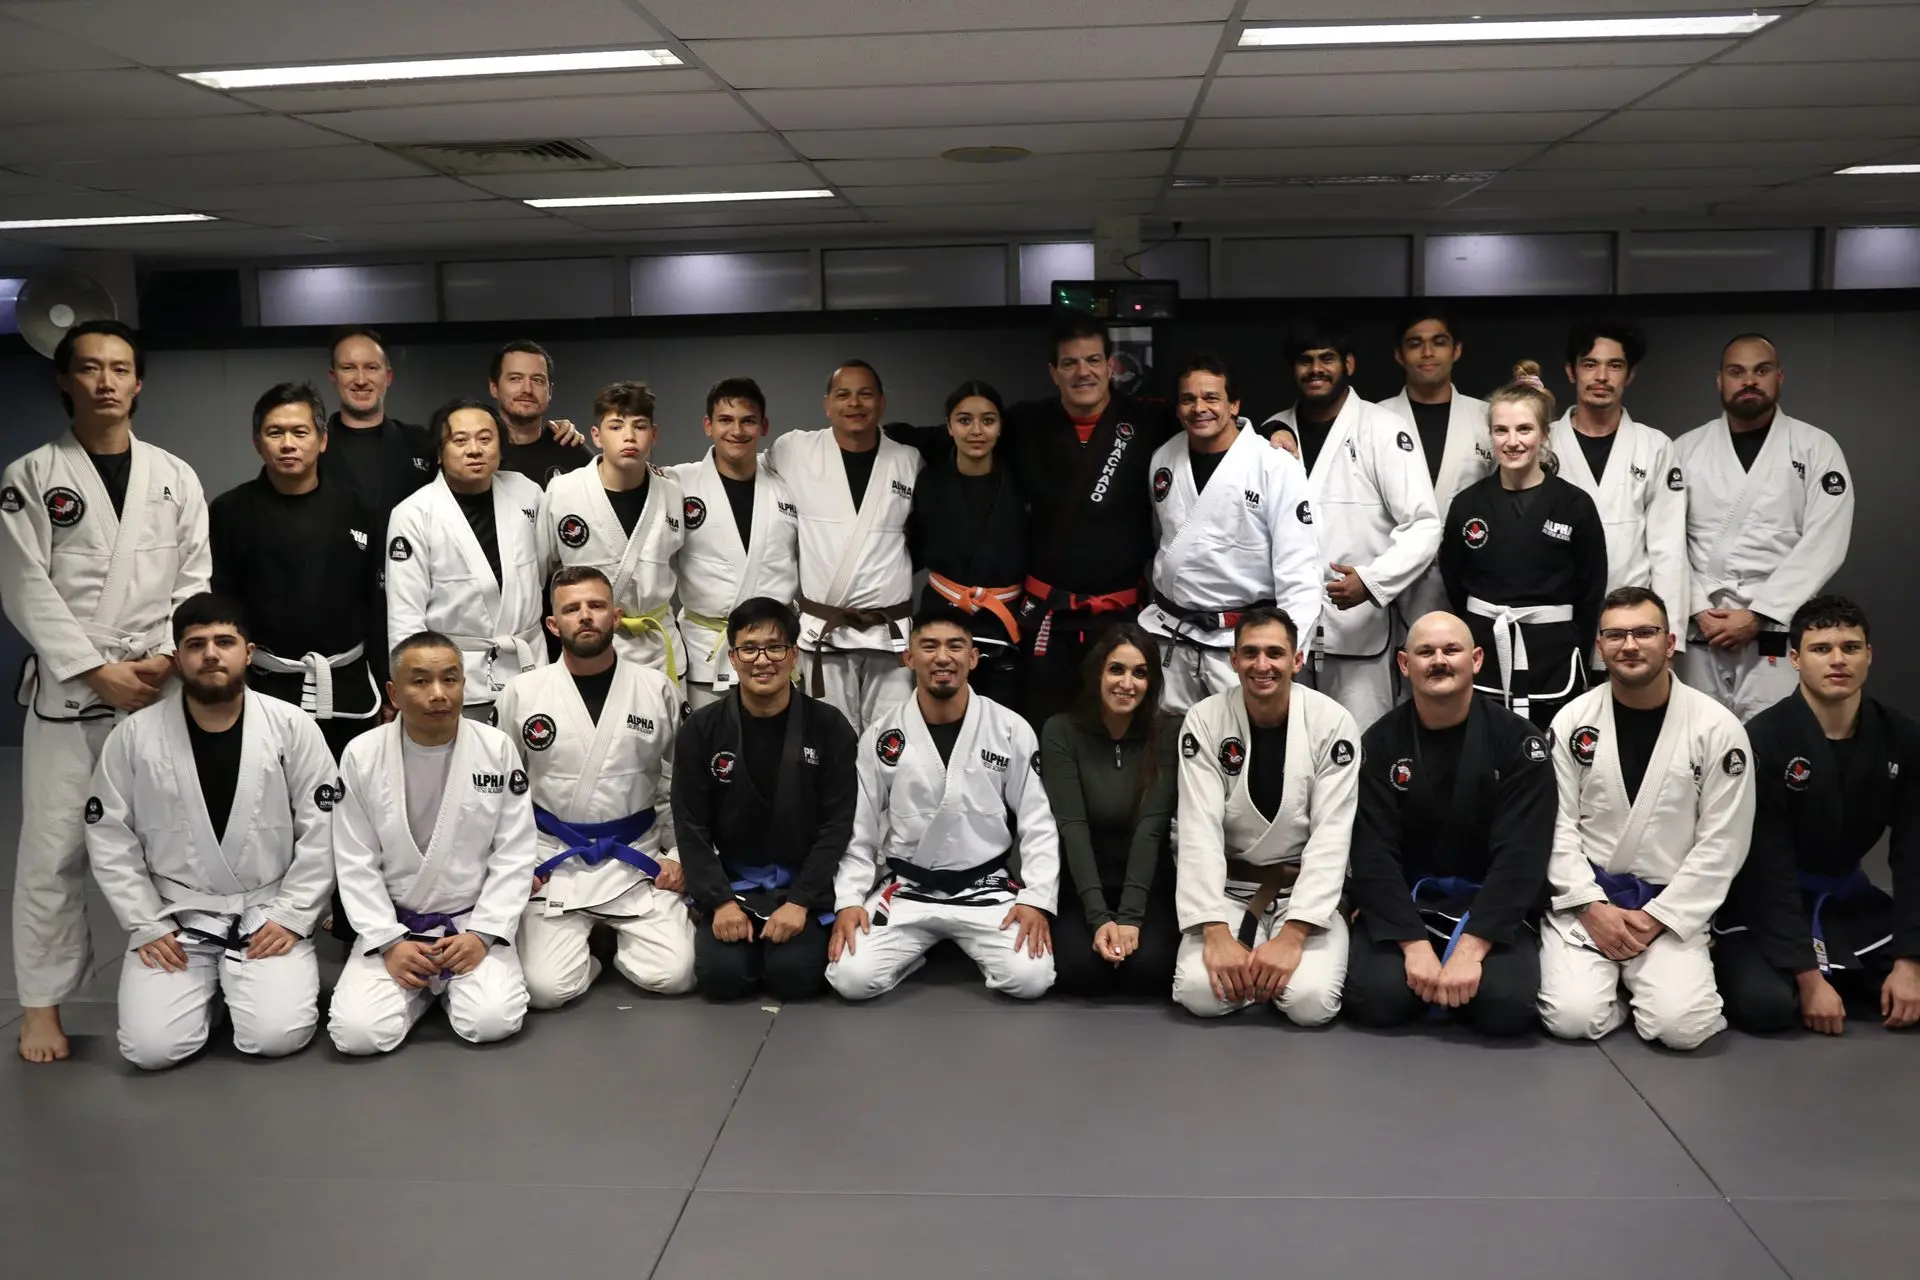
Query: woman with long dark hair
{"type": "Point", "coordinates": [1110, 773]}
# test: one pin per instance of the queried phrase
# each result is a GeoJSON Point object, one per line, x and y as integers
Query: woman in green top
{"type": "Point", "coordinates": [1110, 774]}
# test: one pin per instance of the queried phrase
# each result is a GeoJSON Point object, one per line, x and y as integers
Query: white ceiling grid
{"type": "Point", "coordinates": [1114, 98]}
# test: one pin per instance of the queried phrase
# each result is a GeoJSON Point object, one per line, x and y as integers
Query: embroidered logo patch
{"type": "Point", "coordinates": [1036, 764]}
{"type": "Point", "coordinates": [517, 782]}
{"type": "Point", "coordinates": [11, 501]}
{"type": "Point", "coordinates": [551, 473]}
{"type": "Point", "coordinates": [1586, 741]}
{"type": "Point", "coordinates": [65, 507]}
{"type": "Point", "coordinates": [809, 756]}
{"type": "Point", "coordinates": [1400, 774]}
{"type": "Point", "coordinates": [95, 810]}
{"type": "Point", "coordinates": [399, 549]}
{"type": "Point", "coordinates": [1558, 530]}
{"type": "Point", "coordinates": [1162, 483]}
{"type": "Point", "coordinates": [1189, 745]}
{"type": "Point", "coordinates": [359, 539]}
{"type": "Point", "coordinates": [1233, 756]}
{"type": "Point", "coordinates": [1342, 752]}
{"type": "Point", "coordinates": [324, 796]}
{"type": "Point", "coordinates": [902, 490]}
{"type": "Point", "coordinates": [488, 783]}
{"type": "Point", "coordinates": [1304, 512]}
{"type": "Point", "coordinates": [721, 766]}
{"type": "Point", "coordinates": [1799, 773]}
{"type": "Point", "coordinates": [787, 509]}
{"type": "Point", "coordinates": [695, 511]}
{"type": "Point", "coordinates": [1734, 762]}
{"type": "Point", "coordinates": [1834, 483]}
{"type": "Point", "coordinates": [572, 531]}
{"type": "Point", "coordinates": [1475, 532]}
{"type": "Point", "coordinates": [538, 732]}
{"type": "Point", "coordinates": [1253, 499]}
{"type": "Point", "coordinates": [889, 745]}
{"type": "Point", "coordinates": [994, 760]}
{"type": "Point", "coordinates": [1124, 430]}
{"type": "Point", "coordinates": [673, 524]}
{"type": "Point", "coordinates": [640, 724]}
{"type": "Point", "coordinates": [1675, 481]}
{"type": "Point", "coordinates": [1405, 442]}
{"type": "Point", "coordinates": [1534, 749]}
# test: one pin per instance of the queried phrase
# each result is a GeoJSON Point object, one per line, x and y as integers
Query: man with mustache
{"type": "Point", "coordinates": [1769, 516]}
{"type": "Point", "coordinates": [1450, 845]}
{"type": "Point", "coordinates": [210, 834]}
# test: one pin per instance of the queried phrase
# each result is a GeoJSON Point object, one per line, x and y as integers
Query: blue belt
{"type": "Point", "coordinates": [1625, 890]}
{"type": "Point", "coordinates": [770, 878]}
{"type": "Point", "coordinates": [424, 923]}
{"type": "Point", "coordinates": [594, 842]}
{"type": "Point", "coordinates": [1445, 887]}
{"type": "Point", "coordinates": [1852, 887]}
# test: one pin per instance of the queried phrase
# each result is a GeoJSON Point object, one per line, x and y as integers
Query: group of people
{"type": "Point", "coordinates": [434, 684]}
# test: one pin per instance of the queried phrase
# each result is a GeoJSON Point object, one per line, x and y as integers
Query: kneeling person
{"type": "Point", "coordinates": [1655, 812]}
{"type": "Point", "coordinates": [943, 776]}
{"type": "Point", "coordinates": [1268, 780]}
{"type": "Point", "coordinates": [763, 812]}
{"type": "Point", "coordinates": [1450, 847]}
{"type": "Point", "coordinates": [433, 844]}
{"type": "Point", "coordinates": [596, 732]}
{"type": "Point", "coordinates": [209, 835]}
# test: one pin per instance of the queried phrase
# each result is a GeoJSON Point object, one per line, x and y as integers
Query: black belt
{"type": "Point", "coordinates": [1204, 619]}
{"type": "Point", "coordinates": [946, 881]}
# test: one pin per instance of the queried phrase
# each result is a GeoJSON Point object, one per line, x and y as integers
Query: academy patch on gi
{"type": "Point", "coordinates": [1475, 532]}
{"type": "Point", "coordinates": [11, 500]}
{"type": "Point", "coordinates": [399, 549]}
{"type": "Point", "coordinates": [1342, 752]}
{"type": "Point", "coordinates": [95, 810]}
{"type": "Point", "coordinates": [64, 506]}
{"type": "Point", "coordinates": [551, 473]}
{"type": "Point", "coordinates": [517, 782]}
{"type": "Point", "coordinates": [1799, 773]}
{"type": "Point", "coordinates": [572, 531]}
{"type": "Point", "coordinates": [994, 760]}
{"type": "Point", "coordinates": [1734, 762]}
{"type": "Point", "coordinates": [1834, 483]}
{"type": "Point", "coordinates": [1534, 749]}
{"type": "Point", "coordinates": [1586, 741]}
{"type": "Point", "coordinates": [1036, 764]}
{"type": "Point", "coordinates": [889, 745]}
{"type": "Point", "coordinates": [1124, 430]}
{"type": "Point", "coordinates": [1162, 483]}
{"type": "Point", "coordinates": [1405, 442]}
{"type": "Point", "coordinates": [696, 513]}
{"type": "Point", "coordinates": [1675, 481]}
{"type": "Point", "coordinates": [1304, 512]}
{"type": "Point", "coordinates": [1189, 746]}
{"type": "Point", "coordinates": [324, 797]}
{"type": "Point", "coordinates": [1400, 775]}
{"type": "Point", "coordinates": [721, 766]}
{"type": "Point", "coordinates": [538, 732]}
{"type": "Point", "coordinates": [1233, 756]}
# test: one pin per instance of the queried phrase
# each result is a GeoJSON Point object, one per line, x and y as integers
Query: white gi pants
{"type": "Point", "coordinates": [1670, 986]}
{"type": "Point", "coordinates": [886, 954]}
{"type": "Point", "coordinates": [51, 946]}
{"type": "Point", "coordinates": [1193, 671]}
{"type": "Point", "coordinates": [1364, 686]}
{"type": "Point", "coordinates": [862, 684]}
{"type": "Point", "coordinates": [1310, 998]}
{"type": "Point", "coordinates": [654, 949]}
{"type": "Point", "coordinates": [1738, 679]}
{"type": "Point", "coordinates": [372, 1013]}
{"type": "Point", "coordinates": [164, 1017]}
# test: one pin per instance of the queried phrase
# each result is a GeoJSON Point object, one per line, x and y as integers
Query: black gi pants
{"type": "Point", "coordinates": [1146, 974]}
{"type": "Point", "coordinates": [1762, 1000]}
{"type": "Point", "coordinates": [1507, 1003]}
{"type": "Point", "coordinates": [1051, 682]}
{"type": "Point", "coordinates": [792, 970]}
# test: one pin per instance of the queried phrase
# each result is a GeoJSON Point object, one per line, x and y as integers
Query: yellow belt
{"type": "Point", "coordinates": [655, 619]}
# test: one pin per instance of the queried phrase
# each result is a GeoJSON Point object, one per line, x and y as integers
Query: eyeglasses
{"type": "Point", "coordinates": [1618, 635]}
{"type": "Point", "coordinates": [755, 652]}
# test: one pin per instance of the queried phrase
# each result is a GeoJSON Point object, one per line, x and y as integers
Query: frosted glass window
{"type": "Point", "coordinates": [1719, 261]}
{"type": "Point", "coordinates": [886, 279]}
{"type": "Point", "coordinates": [1182, 260]}
{"type": "Point", "coordinates": [1307, 267]}
{"type": "Point", "coordinates": [1877, 258]}
{"type": "Point", "coordinates": [1512, 265]}
{"type": "Point", "coordinates": [1042, 264]}
{"type": "Point", "coordinates": [400, 294]}
{"type": "Point", "coordinates": [690, 284]}
{"type": "Point", "coordinates": [549, 289]}
{"type": "Point", "coordinates": [9, 290]}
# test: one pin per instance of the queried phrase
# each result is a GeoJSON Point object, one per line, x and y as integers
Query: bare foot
{"type": "Point", "coordinates": [41, 1038]}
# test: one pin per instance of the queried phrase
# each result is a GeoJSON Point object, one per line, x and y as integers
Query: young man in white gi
{"type": "Point", "coordinates": [596, 732]}
{"type": "Point", "coordinates": [434, 848]}
{"type": "Point", "coordinates": [742, 534]}
{"type": "Point", "coordinates": [1373, 508]}
{"type": "Point", "coordinates": [853, 489]}
{"type": "Point", "coordinates": [463, 557]}
{"type": "Point", "coordinates": [1235, 528]}
{"type": "Point", "coordinates": [1655, 814]}
{"type": "Point", "coordinates": [102, 536]}
{"type": "Point", "coordinates": [621, 515]}
{"type": "Point", "coordinates": [1769, 516]}
{"type": "Point", "coordinates": [209, 834]}
{"type": "Point", "coordinates": [949, 782]}
{"type": "Point", "coordinates": [1269, 776]}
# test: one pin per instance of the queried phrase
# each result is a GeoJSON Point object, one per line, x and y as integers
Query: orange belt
{"type": "Point", "coordinates": [995, 600]}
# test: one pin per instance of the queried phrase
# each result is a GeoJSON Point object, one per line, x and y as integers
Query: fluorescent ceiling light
{"type": "Point", "coordinates": [1329, 180]}
{"type": "Point", "coordinates": [519, 64]}
{"type": "Point", "coordinates": [41, 224]}
{"type": "Point", "coordinates": [1733, 24]}
{"type": "Point", "coordinates": [691, 197]}
{"type": "Point", "coordinates": [1859, 169]}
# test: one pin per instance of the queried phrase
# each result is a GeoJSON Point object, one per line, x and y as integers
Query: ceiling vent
{"type": "Point", "coordinates": [470, 159]}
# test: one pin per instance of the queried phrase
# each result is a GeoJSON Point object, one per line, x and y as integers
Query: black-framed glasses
{"type": "Point", "coordinates": [754, 652]}
{"type": "Point", "coordinates": [1618, 635]}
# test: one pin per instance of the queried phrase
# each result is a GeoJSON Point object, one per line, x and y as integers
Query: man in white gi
{"type": "Point", "coordinates": [1269, 776]}
{"type": "Point", "coordinates": [596, 732]}
{"type": "Point", "coordinates": [209, 833]}
{"type": "Point", "coordinates": [1769, 516]}
{"type": "Point", "coordinates": [1374, 510]}
{"type": "Point", "coordinates": [853, 488]}
{"type": "Point", "coordinates": [434, 847]}
{"type": "Point", "coordinates": [463, 557]}
{"type": "Point", "coordinates": [1655, 812]}
{"type": "Point", "coordinates": [742, 531]}
{"type": "Point", "coordinates": [949, 782]}
{"type": "Point", "coordinates": [1236, 531]}
{"type": "Point", "coordinates": [621, 515]}
{"type": "Point", "coordinates": [102, 536]}
{"type": "Point", "coordinates": [1631, 471]}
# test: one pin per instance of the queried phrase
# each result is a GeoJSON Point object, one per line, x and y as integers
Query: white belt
{"type": "Point", "coordinates": [489, 647]}
{"type": "Point", "coordinates": [316, 685]}
{"type": "Point", "coordinates": [1510, 643]}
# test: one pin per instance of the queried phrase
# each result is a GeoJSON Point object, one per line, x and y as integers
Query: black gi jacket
{"type": "Point", "coordinates": [407, 458]}
{"type": "Point", "coordinates": [947, 537]}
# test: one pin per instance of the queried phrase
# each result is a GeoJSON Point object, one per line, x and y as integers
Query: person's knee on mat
{"type": "Point", "coordinates": [156, 1049]}
{"type": "Point", "coordinates": [1678, 1023]}
{"type": "Point", "coordinates": [362, 1034]}
{"type": "Point", "coordinates": [1503, 1014]}
{"type": "Point", "coordinates": [1572, 1016]}
{"type": "Point", "coordinates": [793, 970]}
{"type": "Point", "coordinates": [551, 985]}
{"type": "Point", "coordinates": [725, 971]}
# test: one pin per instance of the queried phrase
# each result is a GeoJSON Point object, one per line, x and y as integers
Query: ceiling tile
{"type": "Point", "coordinates": [1435, 93]}
{"type": "Point", "coordinates": [299, 213]}
{"type": "Point", "coordinates": [954, 105]}
{"type": "Point", "coordinates": [1010, 191]}
{"type": "Point", "coordinates": [551, 118]}
{"type": "Point", "coordinates": [148, 139]}
{"type": "Point", "coordinates": [134, 94]}
{"type": "Point", "coordinates": [642, 182]}
{"type": "Point", "coordinates": [738, 215]}
{"type": "Point", "coordinates": [311, 164]}
{"type": "Point", "coordinates": [373, 191]}
{"type": "Point", "coordinates": [993, 221]}
{"type": "Point", "coordinates": [1465, 127]}
{"type": "Point", "coordinates": [1470, 57]}
{"type": "Point", "coordinates": [1033, 172]}
{"type": "Point", "coordinates": [1747, 127]}
{"type": "Point", "coordinates": [1535, 204]}
{"type": "Point", "coordinates": [1694, 155]}
{"type": "Point", "coordinates": [1041, 139]}
{"type": "Point", "coordinates": [426, 93]}
{"type": "Point", "coordinates": [1828, 34]}
{"type": "Point", "coordinates": [1349, 161]}
{"type": "Point", "coordinates": [1614, 180]}
{"type": "Point", "coordinates": [200, 240]}
{"type": "Point", "coordinates": [90, 204]}
{"type": "Point", "coordinates": [1812, 84]}
{"type": "Point", "coordinates": [703, 19]}
{"type": "Point", "coordinates": [25, 47]}
{"type": "Point", "coordinates": [703, 148]}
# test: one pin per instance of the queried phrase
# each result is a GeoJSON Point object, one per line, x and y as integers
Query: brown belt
{"type": "Point", "coordinates": [1272, 877]}
{"type": "Point", "coordinates": [852, 620]}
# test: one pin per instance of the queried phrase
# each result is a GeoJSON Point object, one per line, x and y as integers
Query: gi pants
{"type": "Point", "coordinates": [1761, 999]}
{"type": "Point", "coordinates": [1310, 998]}
{"type": "Point", "coordinates": [1193, 671]}
{"type": "Point", "coordinates": [1147, 973]}
{"type": "Point", "coordinates": [1377, 993]}
{"type": "Point", "coordinates": [1670, 988]}
{"type": "Point", "coordinates": [887, 953]}
{"type": "Point", "coordinates": [372, 1013]}
{"type": "Point", "coordinates": [862, 684]}
{"type": "Point", "coordinates": [653, 947]}
{"type": "Point", "coordinates": [51, 946]}
{"type": "Point", "coordinates": [1364, 686]}
{"type": "Point", "coordinates": [165, 1017]}
{"type": "Point", "coordinates": [1741, 680]}
{"type": "Point", "coordinates": [792, 970]}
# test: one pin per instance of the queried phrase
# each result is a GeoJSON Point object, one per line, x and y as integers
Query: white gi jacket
{"type": "Point", "coordinates": [479, 863]}
{"type": "Point", "coordinates": [1467, 456]}
{"type": "Point", "coordinates": [577, 525]}
{"type": "Point", "coordinates": [1248, 536]}
{"type": "Point", "coordinates": [951, 816]}
{"type": "Point", "coordinates": [438, 579]}
{"type": "Point", "coordinates": [587, 772]}
{"type": "Point", "coordinates": [86, 587]}
{"type": "Point", "coordinates": [716, 573]}
{"type": "Point", "coordinates": [1373, 505]}
{"type": "Point", "coordinates": [1217, 819]}
{"type": "Point", "coordinates": [1688, 825]}
{"type": "Point", "coordinates": [1767, 539]}
{"type": "Point", "coordinates": [151, 841]}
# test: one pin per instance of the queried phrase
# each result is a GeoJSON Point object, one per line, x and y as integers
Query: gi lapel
{"type": "Point", "coordinates": [1223, 490]}
{"type": "Point", "coordinates": [599, 734]}
{"type": "Point", "coordinates": [1465, 427]}
{"type": "Point", "coordinates": [863, 517]}
{"type": "Point", "coordinates": [785, 824]}
{"type": "Point", "coordinates": [448, 516]}
{"type": "Point", "coordinates": [246, 789]}
{"type": "Point", "coordinates": [944, 828]}
{"type": "Point", "coordinates": [1673, 727]}
{"type": "Point", "coordinates": [210, 855]}
{"type": "Point", "coordinates": [122, 532]}
{"type": "Point", "coordinates": [1753, 484]}
{"type": "Point", "coordinates": [1573, 458]}
{"type": "Point", "coordinates": [1460, 805]}
{"type": "Point", "coordinates": [605, 517]}
{"type": "Point", "coordinates": [440, 846]}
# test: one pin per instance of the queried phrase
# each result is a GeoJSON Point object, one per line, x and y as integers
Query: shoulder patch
{"type": "Point", "coordinates": [1834, 483]}
{"type": "Point", "coordinates": [399, 549]}
{"type": "Point", "coordinates": [11, 500]}
{"type": "Point", "coordinates": [324, 797]}
{"type": "Point", "coordinates": [721, 766]}
{"type": "Point", "coordinates": [1586, 741]}
{"type": "Point", "coordinates": [1675, 481]}
{"type": "Point", "coordinates": [1036, 764]}
{"type": "Point", "coordinates": [95, 810]}
{"type": "Point", "coordinates": [695, 512]}
{"type": "Point", "coordinates": [572, 531]}
{"type": "Point", "coordinates": [1400, 774]}
{"type": "Point", "coordinates": [1405, 442]}
{"type": "Point", "coordinates": [517, 782]}
{"type": "Point", "coordinates": [1342, 752]}
{"type": "Point", "coordinates": [1534, 748]}
{"type": "Point", "coordinates": [1304, 512]}
{"type": "Point", "coordinates": [1162, 483]}
{"type": "Point", "coordinates": [551, 473]}
{"type": "Point", "coordinates": [493, 716]}
{"type": "Point", "coordinates": [1799, 773]}
{"type": "Point", "coordinates": [1734, 762]}
{"type": "Point", "coordinates": [64, 506]}
{"type": "Point", "coordinates": [1233, 756]}
{"type": "Point", "coordinates": [889, 745]}
{"type": "Point", "coordinates": [656, 468]}
{"type": "Point", "coordinates": [538, 732]}
{"type": "Point", "coordinates": [1189, 746]}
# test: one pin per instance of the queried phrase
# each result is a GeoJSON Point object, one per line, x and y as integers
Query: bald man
{"type": "Point", "coordinates": [1450, 848]}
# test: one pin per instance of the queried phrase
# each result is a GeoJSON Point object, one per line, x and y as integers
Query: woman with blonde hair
{"type": "Point", "coordinates": [1524, 558]}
